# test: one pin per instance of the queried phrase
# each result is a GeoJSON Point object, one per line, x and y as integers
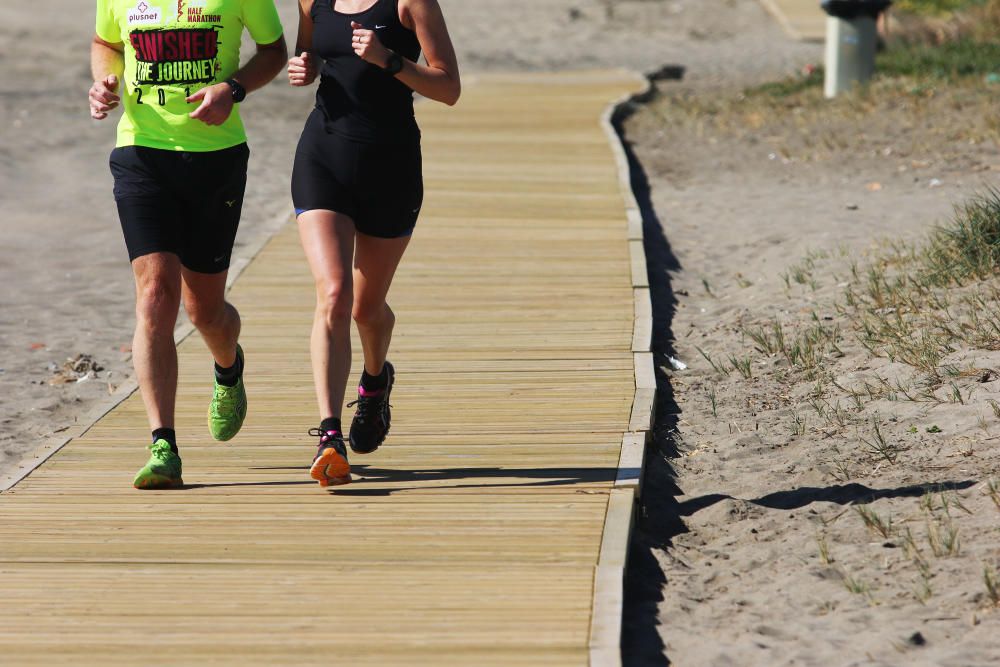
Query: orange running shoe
{"type": "Point", "coordinates": [330, 466]}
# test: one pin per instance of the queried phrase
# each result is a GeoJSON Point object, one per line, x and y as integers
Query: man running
{"type": "Point", "coordinates": [180, 167]}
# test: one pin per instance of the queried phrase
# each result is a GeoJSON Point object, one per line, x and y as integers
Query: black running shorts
{"type": "Point", "coordinates": [187, 204]}
{"type": "Point", "coordinates": [379, 186]}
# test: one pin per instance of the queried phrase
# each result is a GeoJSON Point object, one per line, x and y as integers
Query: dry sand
{"type": "Point", "coordinates": [749, 484]}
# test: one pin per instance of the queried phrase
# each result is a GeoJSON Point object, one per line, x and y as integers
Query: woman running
{"type": "Point", "coordinates": [357, 189]}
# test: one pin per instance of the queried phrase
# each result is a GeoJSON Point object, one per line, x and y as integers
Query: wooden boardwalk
{"type": "Point", "coordinates": [803, 20]}
{"type": "Point", "coordinates": [472, 536]}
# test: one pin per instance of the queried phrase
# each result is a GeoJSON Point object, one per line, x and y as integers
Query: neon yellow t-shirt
{"type": "Point", "coordinates": [173, 48]}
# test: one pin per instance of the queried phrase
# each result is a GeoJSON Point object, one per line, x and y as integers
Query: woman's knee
{"type": "Point", "coordinates": [334, 302]}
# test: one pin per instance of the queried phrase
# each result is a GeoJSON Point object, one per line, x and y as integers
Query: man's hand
{"type": "Point", "coordinates": [302, 69]}
{"type": "Point", "coordinates": [216, 104]}
{"type": "Point", "coordinates": [104, 97]}
{"type": "Point", "coordinates": [368, 46]}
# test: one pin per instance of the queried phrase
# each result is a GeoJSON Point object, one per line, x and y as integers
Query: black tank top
{"type": "Point", "coordinates": [359, 101]}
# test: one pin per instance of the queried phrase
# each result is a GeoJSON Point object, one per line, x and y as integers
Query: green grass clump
{"type": "Point", "coordinates": [968, 247]}
{"type": "Point", "coordinates": [904, 308]}
{"type": "Point", "coordinates": [792, 85]}
{"type": "Point", "coordinates": [918, 61]}
{"type": "Point", "coordinates": [935, 7]}
{"type": "Point", "coordinates": [950, 60]}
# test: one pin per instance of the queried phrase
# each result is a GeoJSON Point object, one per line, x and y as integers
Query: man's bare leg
{"type": "Point", "coordinates": [154, 354]}
{"type": "Point", "coordinates": [216, 319]}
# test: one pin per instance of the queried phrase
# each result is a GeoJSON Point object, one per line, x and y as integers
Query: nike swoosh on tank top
{"type": "Point", "coordinates": [359, 100]}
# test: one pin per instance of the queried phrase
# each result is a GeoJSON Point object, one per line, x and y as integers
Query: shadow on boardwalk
{"type": "Point", "coordinates": [544, 477]}
{"type": "Point", "coordinates": [513, 478]}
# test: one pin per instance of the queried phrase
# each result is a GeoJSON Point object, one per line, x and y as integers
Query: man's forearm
{"type": "Point", "coordinates": [263, 66]}
{"type": "Point", "coordinates": [105, 60]}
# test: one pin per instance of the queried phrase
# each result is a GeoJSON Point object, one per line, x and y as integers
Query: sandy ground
{"type": "Point", "coordinates": [752, 528]}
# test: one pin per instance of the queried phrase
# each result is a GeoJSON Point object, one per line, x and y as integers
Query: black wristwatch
{"type": "Point", "coordinates": [239, 92]}
{"type": "Point", "coordinates": [394, 65]}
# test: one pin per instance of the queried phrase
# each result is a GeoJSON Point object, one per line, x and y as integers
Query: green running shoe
{"type": "Point", "coordinates": [162, 471]}
{"type": "Point", "coordinates": [228, 408]}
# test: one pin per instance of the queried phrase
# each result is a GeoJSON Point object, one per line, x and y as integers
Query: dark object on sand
{"type": "Point", "coordinates": [852, 9]}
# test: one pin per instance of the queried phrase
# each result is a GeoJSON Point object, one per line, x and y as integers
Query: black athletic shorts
{"type": "Point", "coordinates": [187, 204]}
{"type": "Point", "coordinates": [380, 186]}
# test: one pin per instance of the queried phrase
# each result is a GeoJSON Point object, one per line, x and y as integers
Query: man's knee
{"type": "Point", "coordinates": [368, 314]}
{"type": "Point", "coordinates": [157, 301]}
{"type": "Point", "coordinates": [205, 313]}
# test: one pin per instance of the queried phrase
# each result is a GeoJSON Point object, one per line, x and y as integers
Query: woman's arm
{"type": "Point", "coordinates": [438, 79]}
{"type": "Point", "coordinates": [302, 68]}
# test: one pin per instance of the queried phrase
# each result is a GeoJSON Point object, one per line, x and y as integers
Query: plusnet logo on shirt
{"type": "Point", "coordinates": [143, 14]}
{"type": "Point", "coordinates": [175, 55]}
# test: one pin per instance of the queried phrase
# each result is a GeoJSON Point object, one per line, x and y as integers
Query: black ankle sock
{"type": "Point", "coordinates": [330, 424]}
{"type": "Point", "coordinates": [228, 377]}
{"type": "Point", "coordinates": [375, 382]}
{"type": "Point", "coordinates": [167, 434]}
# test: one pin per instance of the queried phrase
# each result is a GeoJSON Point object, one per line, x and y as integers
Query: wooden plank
{"type": "Point", "coordinates": [609, 594]}
{"type": "Point", "coordinates": [632, 462]}
{"type": "Point", "coordinates": [637, 254]}
{"type": "Point", "coordinates": [642, 330]}
{"type": "Point", "coordinates": [645, 375]}
{"type": "Point", "coordinates": [803, 20]}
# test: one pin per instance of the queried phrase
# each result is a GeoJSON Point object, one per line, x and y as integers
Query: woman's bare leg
{"type": "Point", "coordinates": [375, 263]}
{"type": "Point", "coordinates": [328, 242]}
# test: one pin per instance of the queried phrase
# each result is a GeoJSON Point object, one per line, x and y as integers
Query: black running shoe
{"type": "Point", "coordinates": [330, 466]}
{"type": "Point", "coordinates": [372, 417]}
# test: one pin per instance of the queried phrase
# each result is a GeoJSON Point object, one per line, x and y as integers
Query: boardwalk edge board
{"type": "Point", "coordinates": [787, 24]}
{"type": "Point", "coordinates": [642, 330]}
{"type": "Point", "coordinates": [781, 18]}
{"type": "Point", "coordinates": [631, 463]}
{"type": "Point", "coordinates": [609, 575]}
{"type": "Point", "coordinates": [126, 389]}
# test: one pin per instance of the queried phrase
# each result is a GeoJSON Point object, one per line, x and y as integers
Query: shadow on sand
{"type": "Point", "coordinates": [660, 515]}
{"type": "Point", "coordinates": [657, 521]}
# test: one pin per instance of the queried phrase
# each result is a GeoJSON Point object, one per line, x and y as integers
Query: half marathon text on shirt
{"type": "Point", "coordinates": [194, 13]}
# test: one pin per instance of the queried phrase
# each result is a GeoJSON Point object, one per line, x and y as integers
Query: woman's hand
{"type": "Point", "coordinates": [302, 69]}
{"type": "Point", "coordinates": [368, 46]}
